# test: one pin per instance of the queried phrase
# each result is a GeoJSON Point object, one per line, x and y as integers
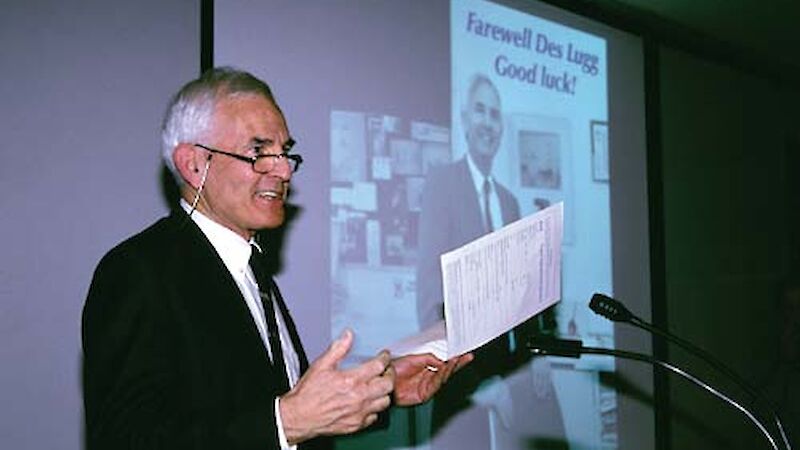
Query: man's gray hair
{"type": "Point", "coordinates": [189, 113]}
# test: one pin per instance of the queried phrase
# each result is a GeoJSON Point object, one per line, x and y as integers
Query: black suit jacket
{"type": "Point", "coordinates": [172, 357]}
{"type": "Point", "coordinates": [451, 216]}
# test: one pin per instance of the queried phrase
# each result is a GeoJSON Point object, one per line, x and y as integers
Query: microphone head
{"type": "Point", "coordinates": [609, 308]}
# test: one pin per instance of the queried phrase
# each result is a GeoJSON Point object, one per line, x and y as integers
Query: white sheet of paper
{"type": "Point", "coordinates": [431, 340]}
{"type": "Point", "coordinates": [495, 283]}
{"type": "Point", "coordinates": [502, 279]}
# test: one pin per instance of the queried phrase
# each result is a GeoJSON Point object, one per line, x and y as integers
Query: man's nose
{"type": "Point", "coordinates": [282, 169]}
{"type": "Point", "coordinates": [483, 118]}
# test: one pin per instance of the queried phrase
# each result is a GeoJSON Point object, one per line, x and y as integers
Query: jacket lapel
{"type": "Point", "coordinates": [217, 298]}
{"type": "Point", "coordinates": [287, 318]}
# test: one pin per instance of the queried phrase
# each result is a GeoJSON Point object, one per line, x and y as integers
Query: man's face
{"type": "Point", "coordinates": [483, 122]}
{"type": "Point", "coordinates": [234, 194]}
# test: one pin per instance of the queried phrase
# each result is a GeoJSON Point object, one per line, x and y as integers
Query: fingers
{"type": "Point", "coordinates": [327, 400]}
{"type": "Point", "coordinates": [379, 376]}
{"type": "Point", "coordinates": [409, 364]}
{"type": "Point", "coordinates": [463, 360]}
{"type": "Point", "coordinates": [385, 358]}
{"type": "Point", "coordinates": [336, 351]}
{"type": "Point", "coordinates": [390, 373]}
{"type": "Point", "coordinates": [371, 368]}
{"type": "Point", "coordinates": [370, 419]}
{"type": "Point", "coordinates": [379, 404]}
{"type": "Point", "coordinates": [417, 378]}
{"type": "Point", "coordinates": [429, 361]}
{"type": "Point", "coordinates": [453, 365]}
{"type": "Point", "coordinates": [381, 385]}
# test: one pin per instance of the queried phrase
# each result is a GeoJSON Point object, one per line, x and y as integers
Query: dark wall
{"type": "Point", "coordinates": [727, 135]}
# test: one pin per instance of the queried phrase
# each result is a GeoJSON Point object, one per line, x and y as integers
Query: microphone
{"type": "Point", "coordinates": [574, 349]}
{"type": "Point", "coordinates": [615, 311]}
{"type": "Point", "coordinates": [609, 308]}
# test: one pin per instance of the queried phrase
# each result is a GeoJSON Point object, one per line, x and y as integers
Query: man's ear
{"type": "Point", "coordinates": [186, 159]}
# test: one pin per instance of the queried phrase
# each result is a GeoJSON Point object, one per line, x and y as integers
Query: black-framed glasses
{"type": "Point", "coordinates": [266, 162]}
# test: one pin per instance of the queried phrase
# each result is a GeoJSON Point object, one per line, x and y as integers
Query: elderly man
{"type": "Point", "coordinates": [187, 340]}
{"type": "Point", "coordinates": [461, 202]}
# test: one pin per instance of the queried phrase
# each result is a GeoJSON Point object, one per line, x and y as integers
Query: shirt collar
{"type": "Point", "coordinates": [232, 248]}
{"type": "Point", "coordinates": [477, 176]}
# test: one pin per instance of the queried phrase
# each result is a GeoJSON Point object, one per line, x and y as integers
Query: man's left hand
{"type": "Point", "coordinates": [419, 377]}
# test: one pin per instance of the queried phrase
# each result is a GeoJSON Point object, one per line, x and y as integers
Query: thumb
{"type": "Point", "coordinates": [337, 350]}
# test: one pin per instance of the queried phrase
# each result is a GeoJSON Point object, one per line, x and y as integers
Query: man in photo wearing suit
{"type": "Point", "coordinates": [187, 341]}
{"type": "Point", "coordinates": [461, 202]}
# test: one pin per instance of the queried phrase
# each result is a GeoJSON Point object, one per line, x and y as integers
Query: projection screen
{"type": "Point", "coordinates": [376, 94]}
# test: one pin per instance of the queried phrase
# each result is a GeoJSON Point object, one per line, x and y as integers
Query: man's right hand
{"type": "Point", "coordinates": [327, 400]}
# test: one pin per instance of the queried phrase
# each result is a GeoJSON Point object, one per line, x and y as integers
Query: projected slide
{"type": "Point", "coordinates": [547, 84]}
{"type": "Point", "coordinates": [550, 87]}
{"type": "Point", "coordinates": [425, 126]}
{"type": "Point", "coordinates": [378, 167]}
{"type": "Point", "coordinates": [529, 128]}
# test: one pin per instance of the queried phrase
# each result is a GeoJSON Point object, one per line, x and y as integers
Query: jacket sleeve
{"type": "Point", "coordinates": [435, 229]}
{"type": "Point", "coordinates": [136, 393]}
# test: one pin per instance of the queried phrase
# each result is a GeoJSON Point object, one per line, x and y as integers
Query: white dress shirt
{"type": "Point", "coordinates": [494, 199]}
{"type": "Point", "coordinates": [235, 251]}
{"type": "Point", "coordinates": [494, 211]}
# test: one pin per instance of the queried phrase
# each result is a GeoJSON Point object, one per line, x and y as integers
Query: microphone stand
{"type": "Point", "coordinates": [575, 348]}
{"type": "Point", "coordinates": [615, 311]}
